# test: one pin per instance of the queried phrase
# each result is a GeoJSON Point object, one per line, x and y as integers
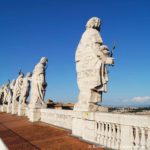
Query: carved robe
{"type": "Point", "coordinates": [91, 71]}
{"type": "Point", "coordinates": [38, 85]}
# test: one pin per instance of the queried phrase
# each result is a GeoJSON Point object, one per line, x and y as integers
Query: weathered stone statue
{"type": "Point", "coordinates": [12, 86]}
{"type": "Point", "coordinates": [1, 94]}
{"type": "Point", "coordinates": [91, 60]}
{"type": "Point", "coordinates": [6, 93]}
{"type": "Point", "coordinates": [5, 98]}
{"type": "Point", "coordinates": [25, 89]}
{"type": "Point", "coordinates": [38, 84]}
{"type": "Point", "coordinates": [10, 95]}
{"type": "Point", "coordinates": [17, 93]}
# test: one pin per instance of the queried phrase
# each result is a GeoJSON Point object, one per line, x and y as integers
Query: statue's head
{"type": "Point", "coordinates": [3, 86]}
{"type": "Point", "coordinates": [94, 23]}
{"type": "Point", "coordinates": [44, 60]}
{"type": "Point", "coordinates": [29, 74]}
{"type": "Point", "coordinates": [21, 74]}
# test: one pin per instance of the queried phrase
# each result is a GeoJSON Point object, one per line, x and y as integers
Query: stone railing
{"type": "Point", "coordinates": [108, 134]}
{"type": "Point", "coordinates": [116, 131]}
{"type": "Point", "coordinates": [60, 118]}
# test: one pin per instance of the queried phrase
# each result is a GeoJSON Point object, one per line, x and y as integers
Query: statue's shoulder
{"type": "Point", "coordinates": [39, 68]}
{"type": "Point", "coordinates": [91, 35]}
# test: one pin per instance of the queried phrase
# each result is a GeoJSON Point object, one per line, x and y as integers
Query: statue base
{"type": "Point", "coordinates": [14, 110]}
{"type": "Point", "coordinates": [90, 107]}
{"type": "Point", "coordinates": [37, 106]}
{"type": "Point", "coordinates": [34, 115]}
{"type": "Point", "coordinates": [103, 109]}
{"type": "Point", "coordinates": [21, 109]}
{"type": "Point", "coordinates": [9, 108]}
{"type": "Point", "coordinates": [4, 108]}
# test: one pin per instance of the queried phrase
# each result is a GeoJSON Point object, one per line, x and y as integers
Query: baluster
{"type": "Point", "coordinates": [118, 137]}
{"type": "Point", "coordinates": [102, 134]}
{"type": "Point", "coordinates": [143, 139]}
{"type": "Point", "coordinates": [113, 136]}
{"type": "Point", "coordinates": [109, 135]}
{"type": "Point", "coordinates": [106, 134]}
{"type": "Point", "coordinates": [98, 132]}
{"type": "Point", "coordinates": [148, 139]}
{"type": "Point", "coordinates": [137, 138]}
{"type": "Point", "coordinates": [101, 126]}
{"type": "Point", "coordinates": [132, 140]}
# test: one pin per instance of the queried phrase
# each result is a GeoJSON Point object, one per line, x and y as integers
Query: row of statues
{"type": "Point", "coordinates": [92, 59]}
{"type": "Point", "coordinates": [15, 93]}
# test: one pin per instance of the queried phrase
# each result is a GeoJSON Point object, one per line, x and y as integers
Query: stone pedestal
{"type": "Point", "coordinates": [103, 109]}
{"type": "Point", "coordinates": [4, 108]}
{"type": "Point", "coordinates": [21, 110]}
{"type": "Point", "coordinates": [78, 127]}
{"type": "Point", "coordinates": [9, 108]}
{"type": "Point", "coordinates": [85, 107]}
{"type": "Point", "coordinates": [14, 109]}
{"type": "Point", "coordinates": [27, 111]}
{"type": "Point", "coordinates": [83, 125]}
{"type": "Point", "coordinates": [34, 111]}
{"type": "Point", "coordinates": [90, 107]}
{"type": "Point", "coordinates": [34, 114]}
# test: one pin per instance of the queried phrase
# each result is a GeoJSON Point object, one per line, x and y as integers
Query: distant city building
{"type": "Point", "coordinates": [52, 104]}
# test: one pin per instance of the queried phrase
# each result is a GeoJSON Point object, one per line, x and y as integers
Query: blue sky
{"type": "Point", "coordinates": [30, 29]}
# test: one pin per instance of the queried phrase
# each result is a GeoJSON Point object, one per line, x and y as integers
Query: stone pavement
{"type": "Point", "coordinates": [20, 134]}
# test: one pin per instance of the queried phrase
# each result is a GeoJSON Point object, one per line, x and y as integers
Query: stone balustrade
{"type": "Point", "coordinates": [140, 138]}
{"type": "Point", "coordinates": [108, 134]}
{"type": "Point", "coordinates": [116, 131]}
{"type": "Point", "coordinates": [60, 118]}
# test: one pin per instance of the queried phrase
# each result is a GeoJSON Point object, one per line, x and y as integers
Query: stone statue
{"type": "Point", "coordinates": [12, 86]}
{"type": "Point", "coordinates": [6, 91]}
{"type": "Point", "coordinates": [10, 95]}
{"type": "Point", "coordinates": [91, 60]}
{"type": "Point", "coordinates": [25, 89]}
{"type": "Point", "coordinates": [38, 84]}
{"type": "Point", "coordinates": [11, 91]}
{"type": "Point", "coordinates": [1, 94]}
{"type": "Point", "coordinates": [17, 92]}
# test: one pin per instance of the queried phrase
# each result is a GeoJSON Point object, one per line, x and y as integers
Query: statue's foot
{"type": "Point", "coordinates": [103, 109]}
{"type": "Point", "coordinates": [86, 107]}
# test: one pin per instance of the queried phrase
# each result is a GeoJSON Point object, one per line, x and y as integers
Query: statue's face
{"type": "Point", "coordinates": [98, 23]}
{"type": "Point", "coordinates": [44, 61]}
{"type": "Point", "coordinates": [94, 22]}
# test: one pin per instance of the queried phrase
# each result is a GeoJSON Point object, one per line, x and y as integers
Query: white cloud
{"type": "Point", "coordinates": [140, 99]}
